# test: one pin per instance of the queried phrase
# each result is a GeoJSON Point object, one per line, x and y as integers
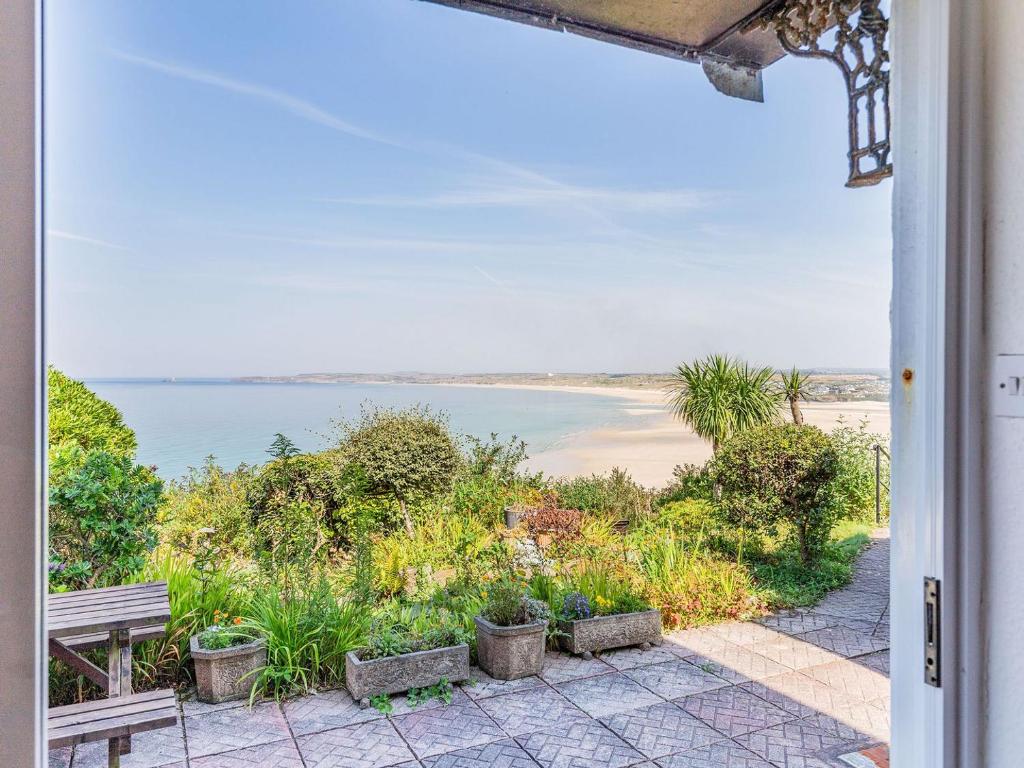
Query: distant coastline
{"type": "Point", "coordinates": [824, 385]}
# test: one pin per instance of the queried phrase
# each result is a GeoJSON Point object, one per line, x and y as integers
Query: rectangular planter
{"type": "Point", "coordinates": [509, 653]}
{"type": "Point", "coordinates": [220, 673]}
{"type": "Point", "coordinates": [396, 674]}
{"type": "Point", "coordinates": [605, 632]}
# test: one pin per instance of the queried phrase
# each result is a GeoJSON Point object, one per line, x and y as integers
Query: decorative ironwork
{"type": "Point", "coordinates": [859, 31]}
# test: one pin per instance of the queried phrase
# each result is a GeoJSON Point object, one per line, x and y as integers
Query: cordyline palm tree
{"type": "Point", "coordinates": [719, 396]}
{"type": "Point", "coordinates": [793, 390]}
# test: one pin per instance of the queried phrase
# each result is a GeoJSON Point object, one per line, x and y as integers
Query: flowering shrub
{"type": "Point", "coordinates": [509, 605]}
{"type": "Point", "coordinates": [225, 632]}
{"type": "Point", "coordinates": [576, 606]}
{"type": "Point", "coordinates": [560, 524]}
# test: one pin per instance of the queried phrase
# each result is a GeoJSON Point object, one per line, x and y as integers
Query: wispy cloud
{"type": "Point", "coordinates": [59, 234]}
{"type": "Point", "coordinates": [547, 196]}
{"type": "Point", "coordinates": [293, 104]}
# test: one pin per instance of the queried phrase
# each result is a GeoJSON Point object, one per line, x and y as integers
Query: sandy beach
{"type": "Point", "coordinates": [657, 443]}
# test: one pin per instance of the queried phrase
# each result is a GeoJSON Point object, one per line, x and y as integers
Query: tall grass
{"type": "Point", "coordinates": [308, 634]}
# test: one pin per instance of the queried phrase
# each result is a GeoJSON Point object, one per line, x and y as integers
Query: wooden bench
{"type": "Point", "coordinates": [94, 640]}
{"type": "Point", "coordinates": [111, 719]}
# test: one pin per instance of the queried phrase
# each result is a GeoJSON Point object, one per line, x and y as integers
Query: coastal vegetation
{"type": "Point", "coordinates": [395, 537]}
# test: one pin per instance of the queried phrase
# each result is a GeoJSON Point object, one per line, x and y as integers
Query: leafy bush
{"type": "Point", "coordinates": [854, 485]}
{"type": "Point", "coordinates": [690, 482]}
{"type": "Point", "coordinates": [484, 497]}
{"type": "Point", "coordinates": [608, 592]}
{"type": "Point", "coordinates": [76, 416]}
{"type": "Point", "coordinates": [308, 632]}
{"type": "Point", "coordinates": [498, 461]}
{"type": "Point", "coordinates": [410, 628]}
{"type": "Point", "coordinates": [406, 455]}
{"type": "Point", "coordinates": [211, 500]}
{"type": "Point", "coordinates": [510, 605]}
{"type": "Point", "coordinates": [781, 473]}
{"type": "Point", "coordinates": [102, 516]}
{"type": "Point", "coordinates": [614, 494]}
{"type": "Point", "coordinates": [217, 637]}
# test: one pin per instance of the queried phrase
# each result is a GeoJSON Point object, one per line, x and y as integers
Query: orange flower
{"type": "Point", "coordinates": [238, 619]}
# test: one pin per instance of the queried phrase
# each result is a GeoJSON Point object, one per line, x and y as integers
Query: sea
{"type": "Point", "coordinates": [179, 423]}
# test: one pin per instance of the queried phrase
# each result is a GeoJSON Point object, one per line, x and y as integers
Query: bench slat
{"type": "Point", "coordinates": [111, 718]}
{"type": "Point", "coordinates": [100, 639]}
{"type": "Point", "coordinates": [107, 593]}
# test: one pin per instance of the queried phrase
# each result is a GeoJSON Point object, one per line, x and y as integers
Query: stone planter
{"type": "Point", "coordinates": [509, 653]}
{"type": "Point", "coordinates": [584, 636]}
{"type": "Point", "coordinates": [221, 674]}
{"type": "Point", "coordinates": [396, 674]}
{"type": "Point", "coordinates": [513, 515]}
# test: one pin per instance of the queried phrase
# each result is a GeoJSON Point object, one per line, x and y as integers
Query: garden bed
{"type": "Point", "coordinates": [396, 674]}
{"type": "Point", "coordinates": [601, 633]}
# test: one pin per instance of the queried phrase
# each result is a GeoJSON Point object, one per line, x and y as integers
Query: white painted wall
{"type": "Point", "coordinates": [1003, 588]}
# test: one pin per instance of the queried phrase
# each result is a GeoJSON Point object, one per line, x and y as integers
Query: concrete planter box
{"type": "Point", "coordinates": [513, 515]}
{"type": "Point", "coordinates": [221, 674]}
{"type": "Point", "coordinates": [585, 636]}
{"type": "Point", "coordinates": [509, 653]}
{"type": "Point", "coordinates": [396, 674]}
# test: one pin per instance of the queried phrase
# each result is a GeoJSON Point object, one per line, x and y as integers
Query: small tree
{"type": "Point", "coordinates": [77, 418]}
{"type": "Point", "coordinates": [780, 473]}
{"type": "Point", "coordinates": [793, 390]}
{"type": "Point", "coordinates": [408, 455]}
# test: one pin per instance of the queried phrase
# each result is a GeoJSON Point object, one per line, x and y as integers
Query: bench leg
{"type": "Point", "coordinates": [114, 753]}
{"type": "Point", "coordinates": [119, 683]}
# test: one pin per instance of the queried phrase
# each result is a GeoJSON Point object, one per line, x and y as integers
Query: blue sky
{"type": "Point", "coordinates": [250, 187]}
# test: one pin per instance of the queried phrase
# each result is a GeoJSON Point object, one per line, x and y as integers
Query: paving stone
{"type": "Point", "coordinates": [744, 633]}
{"type": "Point", "coordinates": [661, 730]}
{"type": "Point", "coordinates": [230, 729]}
{"type": "Point", "coordinates": [447, 729]}
{"type": "Point", "coordinates": [695, 642]}
{"type": "Point", "coordinates": [365, 745]}
{"type": "Point", "coordinates": [738, 665]}
{"type": "Point", "coordinates": [798, 694]}
{"type": "Point", "coordinates": [400, 704]}
{"type": "Point", "coordinates": [631, 658]}
{"type": "Point", "coordinates": [850, 604]}
{"type": "Point", "coordinates": [796, 744]}
{"type": "Point", "coordinates": [530, 710]}
{"type": "Point", "coordinates": [850, 678]}
{"type": "Point", "coordinates": [857, 721]}
{"type": "Point", "coordinates": [59, 758]}
{"type": "Point", "coordinates": [481, 685]}
{"type": "Point", "coordinates": [675, 679]}
{"type": "Point", "coordinates": [724, 754]}
{"type": "Point", "coordinates": [608, 694]}
{"type": "Point", "coordinates": [882, 632]}
{"type": "Point", "coordinates": [324, 711]}
{"type": "Point", "coordinates": [561, 667]}
{"type": "Point", "coordinates": [280, 754]}
{"type": "Point", "coordinates": [586, 744]}
{"type": "Point", "coordinates": [797, 622]}
{"type": "Point", "coordinates": [192, 706]}
{"type": "Point", "coordinates": [162, 747]}
{"type": "Point", "coordinates": [793, 652]}
{"type": "Point", "coordinates": [499, 754]}
{"type": "Point", "coordinates": [876, 661]}
{"type": "Point", "coordinates": [733, 711]}
{"type": "Point", "coordinates": [843, 641]}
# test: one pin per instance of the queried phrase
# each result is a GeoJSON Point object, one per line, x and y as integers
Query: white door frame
{"type": "Point", "coordinates": [937, 333]}
{"type": "Point", "coordinates": [937, 341]}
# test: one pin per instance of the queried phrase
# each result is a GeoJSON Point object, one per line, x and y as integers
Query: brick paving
{"type": "Point", "coordinates": [800, 689]}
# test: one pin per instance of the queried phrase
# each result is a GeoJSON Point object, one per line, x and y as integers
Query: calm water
{"type": "Point", "coordinates": [180, 423]}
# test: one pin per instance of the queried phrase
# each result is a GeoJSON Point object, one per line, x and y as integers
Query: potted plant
{"type": "Point", "coordinates": [511, 632]}
{"type": "Point", "coordinates": [397, 659]}
{"type": "Point", "coordinates": [225, 656]}
{"type": "Point", "coordinates": [615, 621]}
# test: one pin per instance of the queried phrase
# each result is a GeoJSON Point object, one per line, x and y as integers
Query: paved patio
{"type": "Point", "coordinates": [794, 690]}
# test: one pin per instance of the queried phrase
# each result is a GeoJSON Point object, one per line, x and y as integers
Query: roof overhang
{"type": "Point", "coordinates": [734, 40]}
{"type": "Point", "coordinates": [717, 34]}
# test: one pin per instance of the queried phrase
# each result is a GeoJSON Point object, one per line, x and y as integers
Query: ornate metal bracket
{"type": "Point", "coordinates": [858, 31]}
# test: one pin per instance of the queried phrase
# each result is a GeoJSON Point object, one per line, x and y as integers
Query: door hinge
{"type": "Point", "coordinates": [932, 632]}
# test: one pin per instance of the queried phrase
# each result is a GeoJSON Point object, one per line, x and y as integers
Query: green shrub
{"type": "Point", "coordinates": [102, 515]}
{"type": "Point", "coordinates": [509, 604]}
{"type": "Point", "coordinates": [405, 628]}
{"type": "Point", "coordinates": [406, 455]}
{"type": "Point", "coordinates": [607, 591]}
{"type": "Point", "coordinates": [614, 494]}
{"type": "Point", "coordinates": [690, 482]}
{"type": "Point", "coordinates": [854, 485]}
{"type": "Point", "coordinates": [215, 502]}
{"type": "Point", "coordinates": [217, 637]}
{"type": "Point", "coordinates": [76, 416]}
{"type": "Point", "coordinates": [780, 474]}
{"type": "Point", "coordinates": [308, 632]}
{"type": "Point", "coordinates": [499, 461]}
